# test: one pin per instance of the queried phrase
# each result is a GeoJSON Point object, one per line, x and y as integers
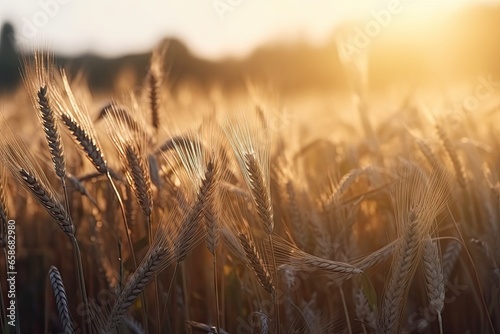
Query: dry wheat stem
{"type": "Point", "coordinates": [79, 187]}
{"type": "Point", "coordinates": [124, 218]}
{"type": "Point", "coordinates": [346, 311]}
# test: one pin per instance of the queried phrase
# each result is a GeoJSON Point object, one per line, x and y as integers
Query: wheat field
{"type": "Point", "coordinates": [141, 213]}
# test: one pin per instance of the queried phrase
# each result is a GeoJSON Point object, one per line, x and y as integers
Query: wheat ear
{"type": "Point", "coordinates": [262, 198]}
{"type": "Point", "coordinates": [434, 278]}
{"type": "Point", "coordinates": [299, 228]}
{"type": "Point", "coordinates": [37, 78]}
{"type": "Point", "coordinates": [211, 215]}
{"type": "Point", "coordinates": [187, 234]}
{"type": "Point", "coordinates": [417, 200]}
{"type": "Point", "coordinates": [154, 81]}
{"type": "Point", "coordinates": [450, 258]}
{"type": "Point", "coordinates": [256, 263]}
{"type": "Point", "coordinates": [132, 147]}
{"type": "Point", "coordinates": [48, 201]}
{"type": "Point", "coordinates": [61, 300]}
{"type": "Point", "coordinates": [402, 271]}
{"type": "Point", "coordinates": [77, 121]}
{"type": "Point", "coordinates": [86, 142]}
{"type": "Point", "coordinates": [51, 132]}
{"type": "Point", "coordinates": [146, 271]}
{"type": "Point", "coordinates": [363, 310]}
{"type": "Point", "coordinates": [452, 153]}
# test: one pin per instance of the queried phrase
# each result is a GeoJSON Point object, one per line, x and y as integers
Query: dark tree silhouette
{"type": "Point", "coordinates": [9, 59]}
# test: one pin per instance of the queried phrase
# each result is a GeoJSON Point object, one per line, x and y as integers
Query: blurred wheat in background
{"type": "Point", "coordinates": [193, 199]}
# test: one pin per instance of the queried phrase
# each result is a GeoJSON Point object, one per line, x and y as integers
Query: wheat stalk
{"type": "Point", "coordinates": [417, 201]}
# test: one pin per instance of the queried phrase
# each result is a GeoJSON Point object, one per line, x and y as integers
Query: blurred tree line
{"type": "Point", "coordinates": [465, 44]}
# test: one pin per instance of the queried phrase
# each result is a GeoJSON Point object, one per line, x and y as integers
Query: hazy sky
{"type": "Point", "coordinates": [210, 28]}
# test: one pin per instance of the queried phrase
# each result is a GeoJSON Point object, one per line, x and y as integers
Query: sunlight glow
{"type": "Point", "coordinates": [212, 28]}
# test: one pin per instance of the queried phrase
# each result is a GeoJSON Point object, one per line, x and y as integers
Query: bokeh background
{"type": "Point", "coordinates": [292, 45]}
